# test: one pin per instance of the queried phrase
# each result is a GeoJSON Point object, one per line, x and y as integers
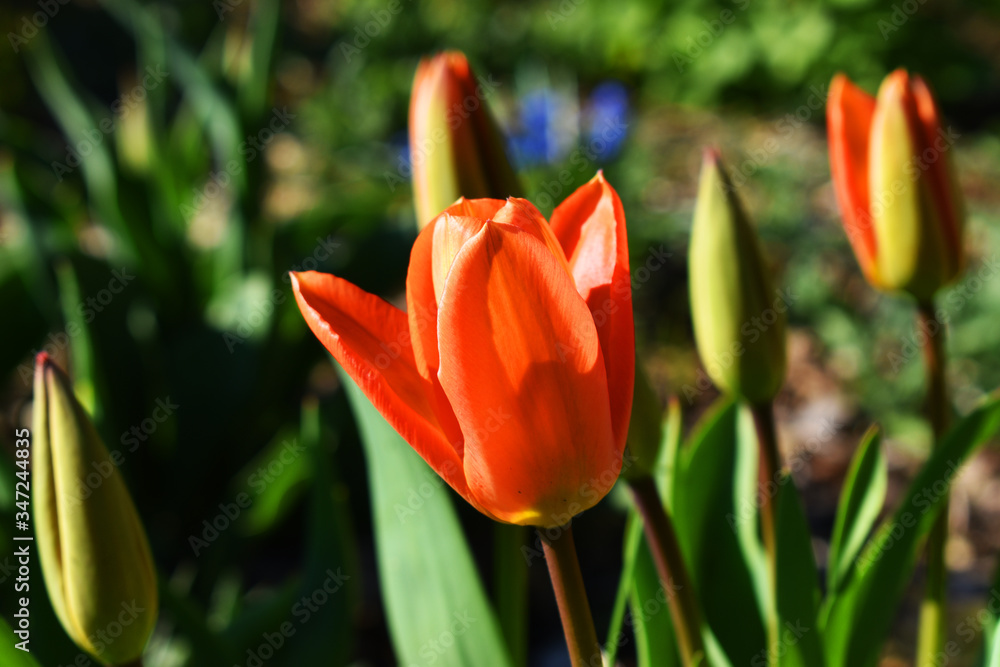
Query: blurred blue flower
{"type": "Point", "coordinates": [606, 117]}
{"type": "Point", "coordinates": [548, 125]}
{"type": "Point", "coordinates": [536, 140]}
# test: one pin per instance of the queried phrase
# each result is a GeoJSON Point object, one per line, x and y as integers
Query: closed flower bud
{"type": "Point", "coordinates": [456, 148]}
{"type": "Point", "coordinates": [891, 166]}
{"type": "Point", "coordinates": [739, 323]}
{"type": "Point", "coordinates": [93, 550]}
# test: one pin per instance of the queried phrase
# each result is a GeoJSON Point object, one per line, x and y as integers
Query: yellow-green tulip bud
{"type": "Point", "coordinates": [456, 149]}
{"type": "Point", "coordinates": [95, 558]}
{"type": "Point", "coordinates": [739, 320]}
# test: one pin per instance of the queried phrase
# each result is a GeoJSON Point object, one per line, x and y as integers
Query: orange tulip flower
{"type": "Point", "coordinates": [511, 372]}
{"type": "Point", "coordinates": [890, 162]}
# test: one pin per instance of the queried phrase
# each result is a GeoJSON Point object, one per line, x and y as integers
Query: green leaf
{"type": "Point", "coordinates": [861, 501]}
{"type": "Point", "coordinates": [655, 640]}
{"type": "Point", "coordinates": [634, 587]}
{"type": "Point", "coordinates": [9, 655]}
{"type": "Point", "coordinates": [630, 551]}
{"type": "Point", "coordinates": [990, 652]}
{"type": "Point", "coordinates": [253, 82]}
{"type": "Point", "coordinates": [993, 654]}
{"type": "Point", "coordinates": [510, 586]}
{"type": "Point", "coordinates": [84, 375]}
{"type": "Point", "coordinates": [747, 516]}
{"type": "Point", "coordinates": [858, 618]}
{"type": "Point", "coordinates": [191, 625]}
{"type": "Point", "coordinates": [634, 540]}
{"type": "Point", "coordinates": [670, 451]}
{"type": "Point", "coordinates": [993, 649]}
{"type": "Point", "coordinates": [431, 589]}
{"type": "Point", "coordinates": [798, 584]}
{"type": "Point", "coordinates": [711, 512]}
{"type": "Point", "coordinates": [276, 478]}
{"type": "Point", "coordinates": [314, 610]}
{"type": "Point", "coordinates": [74, 118]}
{"type": "Point", "coordinates": [331, 574]}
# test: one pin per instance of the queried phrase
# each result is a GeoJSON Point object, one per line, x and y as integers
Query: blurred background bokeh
{"type": "Point", "coordinates": [164, 164]}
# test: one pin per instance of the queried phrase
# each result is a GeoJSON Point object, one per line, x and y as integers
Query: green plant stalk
{"type": "Point", "coordinates": [933, 607]}
{"type": "Point", "coordinates": [135, 663]}
{"type": "Point", "coordinates": [574, 609]}
{"type": "Point", "coordinates": [768, 469]}
{"type": "Point", "coordinates": [665, 547]}
{"type": "Point", "coordinates": [633, 540]}
{"type": "Point", "coordinates": [510, 572]}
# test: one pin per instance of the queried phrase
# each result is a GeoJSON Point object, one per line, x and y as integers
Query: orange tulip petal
{"type": "Point", "coordinates": [451, 232]}
{"type": "Point", "coordinates": [929, 121]}
{"type": "Point", "coordinates": [522, 214]}
{"type": "Point", "coordinates": [476, 208]}
{"type": "Point", "coordinates": [421, 312]}
{"type": "Point", "coordinates": [422, 294]}
{"type": "Point", "coordinates": [371, 340]}
{"type": "Point", "coordinates": [525, 374]}
{"type": "Point", "coordinates": [849, 120]}
{"type": "Point", "coordinates": [421, 304]}
{"type": "Point", "coordinates": [590, 226]}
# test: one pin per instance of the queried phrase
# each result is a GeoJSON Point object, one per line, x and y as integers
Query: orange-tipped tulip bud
{"type": "Point", "coordinates": [511, 371]}
{"type": "Point", "coordinates": [456, 148]}
{"type": "Point", "coordinates": [739, 322]}
{"type": "Point", "coordinates": [93, 550]}
{"type": "Point", "coordinates": [891, 166]}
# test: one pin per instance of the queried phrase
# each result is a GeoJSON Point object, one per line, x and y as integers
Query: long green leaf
{"type": "Point", "coordinates": [510, 586]}
{"type": "Point", "coordinates": [434, 599]}
{"type": "Point", "coordinates": [798, 585]}
{"type": "Point", "coordinates": [10, 656]}
{"type": "Point", "coordinates": [330, 576]}
{"type": "Point", "coordinates": [656, 642]}
{"type": "Point", "coordinates": [630, 551]}
{"type": "Point", "coordinates": [859, 618]}
{"type": "Point", "coordinates": [990, 652]}
{"type": "Point", "coordinates": [78, 124]}
{"type": "Point", "coordinates": [710, 511]}
{"type": "Point", "coordinates": [254, 79]}
{"type": "Point", "coordinates": [633, 588]}
{"type": "Point", "coordinates": [860, 503]}
{"type": "Point", "coordinates": [993, 655]}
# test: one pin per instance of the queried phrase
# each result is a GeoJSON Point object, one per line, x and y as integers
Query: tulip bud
{"type": "Point", "coordinates": [645, 428]}
{"type": "Point", "coordinates": [93, 550]}
{"type": "Point", "coordinates": [891, 166]}
{"type": "Point", "coordinates": [456, 148]}
{"type": "Point", "coordinates": [739, 324]}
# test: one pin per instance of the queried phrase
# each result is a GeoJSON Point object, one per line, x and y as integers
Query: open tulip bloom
{"type": "Point", "coordinates": [511, 373]}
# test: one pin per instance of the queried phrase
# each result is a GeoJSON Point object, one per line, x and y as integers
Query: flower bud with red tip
{"type": "Point", "coordinates": [891, 165]}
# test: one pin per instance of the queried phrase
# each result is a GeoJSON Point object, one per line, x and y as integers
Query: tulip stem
{"type": "Point", "coordinates": [567, 583]}
{"type": "Point", "coordinates": [768, 471]}
{"type": "Point", "coordinates": [931, 636]}
{"type": "Point", "coordinates": [666, 551]}
{"type": "Point", "coordinates": [510, 572]}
